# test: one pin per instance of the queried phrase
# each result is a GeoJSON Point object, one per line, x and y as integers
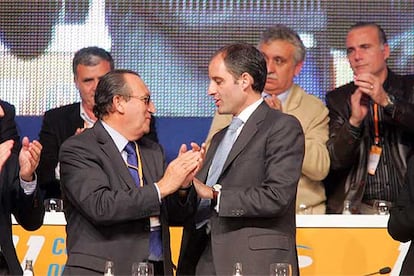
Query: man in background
{"type": "Point", "coordinates": [115, 183]}
{"type": "Point", "coordinates": [89, 65]}
{"type": "Point", "coordinates": [19, 193]}
{"type": "Point", "coordinates": [285, 54]}
{"type": "Point", "coordinates": [371, 128]}
{"type": "Point", "coordinates": [251, 173]}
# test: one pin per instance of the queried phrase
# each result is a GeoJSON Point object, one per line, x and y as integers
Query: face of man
{"type": "Point", "coordinates": [281, 66]}
{"type": "Point", "coordinates": [137, 113]}
{"type": "Point", "coordinates": [86, 80]}
{"type": "Point", "coordinates": [365, 52]}
{"type": "Point", "coordinates": [227, 92]}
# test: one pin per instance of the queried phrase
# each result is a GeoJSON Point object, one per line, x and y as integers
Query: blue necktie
{"type": "Point", "coordinates": [204, 212]}
{"type": "Point", "coordinates": [155, 242]}
{"type": "Point", "coordinates": [132, 162]}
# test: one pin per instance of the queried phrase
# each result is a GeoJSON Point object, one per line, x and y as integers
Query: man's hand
{"type": "Point", "coordinates": [371, 86]}
{"type": "Point", "coordinates": [273, 102]}
{"type": "Point", "coordinates": [203, 191]}
{"type": "Point", "coordinates": [5, 151]}
{"type": "Point", "coordinates": [179, 172]}
{"type": "Point", "coordinates": [195, 148]}
{"type": "Point", "coordinates": [79, 130]}
{"type": "Point", "coordinates": [29, 158]}
{"type": "Point", "coordinates": [1, 112]}
{"type": "Point", "coordinates": [359, 108]}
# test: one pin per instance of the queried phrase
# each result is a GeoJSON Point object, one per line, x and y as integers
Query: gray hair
{"type": "Point", "coordinates": [282, 32]}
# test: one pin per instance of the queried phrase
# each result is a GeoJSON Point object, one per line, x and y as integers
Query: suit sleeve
{"type": "Point", "coordinates": [401, 221]}
{"type": "Point", "coordinates": [27, 209]}
{"type": "Point", "coordinates": [8, 129]}
{"type": "Point", "coordinates": [344, 140]}
{"type": "Point", "coordinates": [316, 161]}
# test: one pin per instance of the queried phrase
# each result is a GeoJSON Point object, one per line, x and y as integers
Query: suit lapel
{"type": "Point", "coordinates": [202, 175]}
{"type": "Point", "coordinates": [249, 130]}
{"type": "Point", "coordinates": [147, 159]}
{"type": "Point", "coordinates": [293, 100]}
{"type": "Point", "coordinates": [111, 151]}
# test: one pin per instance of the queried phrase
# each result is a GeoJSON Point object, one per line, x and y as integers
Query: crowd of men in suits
{"type": "Point", "coordinates": [272, 151]}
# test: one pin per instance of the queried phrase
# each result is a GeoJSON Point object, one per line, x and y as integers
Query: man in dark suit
{"type": "Point", "coordinates": [253, 221]}
{"type": "Point", "coordinates": [109, 215]}
{"type": "Point", "coordinates": [19, 194]}
{"type": "Point", "coordinates": [88, 66]}
{"type": "Point", "coordinates": [401, 221]}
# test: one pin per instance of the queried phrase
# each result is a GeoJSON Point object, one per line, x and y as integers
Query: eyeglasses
{"type": "Point", "coordinates": [145, 99]}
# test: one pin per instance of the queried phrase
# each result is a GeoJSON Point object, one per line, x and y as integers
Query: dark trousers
{"type": "Point", "coordinates": [205, 265]}
{"type": "Point", "coordinates": [191, 251]}
{"type": "Point", "coordinates": [158, 268]}
{"type": "Point", "coordinates": [4, 268]}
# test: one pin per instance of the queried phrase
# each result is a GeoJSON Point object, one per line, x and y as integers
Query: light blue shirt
{"type": "Point", "coordinates": [120, 142]}
{"type": "Point", "coordinates": [282, 96]}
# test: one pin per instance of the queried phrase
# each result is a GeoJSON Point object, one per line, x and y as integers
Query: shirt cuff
{"type": "Point", "coordinates": [28, 187]}
{"type": "Point", "coordinates": [217, 207]}
{"type": "Point", "coordinates": [158, 191]}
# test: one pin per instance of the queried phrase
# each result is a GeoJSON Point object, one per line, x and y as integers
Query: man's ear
{"type": "Point", "coordinates": [118, 103]}
{"type": "Point", "coordinates": [246, 80]}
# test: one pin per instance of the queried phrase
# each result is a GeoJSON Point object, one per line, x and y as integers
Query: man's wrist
{"type": "Point", "coordinates": [27, 178]}
{"type": "Point", "coordinates": [186, 188]}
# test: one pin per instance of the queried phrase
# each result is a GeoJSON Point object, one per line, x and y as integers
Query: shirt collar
{"type": "Point", "coordinates": [88, 121]}
{"type": "Point", "coordinates": [248, 111]}
{"type": "Point", "coordinates": [119, 140]}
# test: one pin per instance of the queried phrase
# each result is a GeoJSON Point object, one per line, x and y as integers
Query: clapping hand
{"type": "Point", "coordinates": [29, 158]}
{"type": "Point", "coordinates": [5, 151]}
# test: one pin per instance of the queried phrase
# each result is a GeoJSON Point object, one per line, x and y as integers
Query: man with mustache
{"type": "Point", "coordinates": [284, 53]}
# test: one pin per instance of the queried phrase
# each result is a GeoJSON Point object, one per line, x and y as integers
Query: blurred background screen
{"type": "Point", "coordinates": [170, 42]}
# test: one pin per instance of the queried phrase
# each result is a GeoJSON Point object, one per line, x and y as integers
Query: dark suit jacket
{"type": "Point", "coordinates": [28, 210]}
{"type": "Point", "coordinates": [401, 221]}
{"type": "Point", "coordinates": [107, 215]}
{"type": "Point", "coordinates": [8, 128]}
{"type": "Point", "coordinates": [58, 125]}
{"type": "Point", "coordinates": [256, 221]}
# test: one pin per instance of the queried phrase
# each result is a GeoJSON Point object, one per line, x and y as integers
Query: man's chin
{"type": "Point", "coordinates": [270, 88]}
{"type": "Point", "coordinates": [222, 110]}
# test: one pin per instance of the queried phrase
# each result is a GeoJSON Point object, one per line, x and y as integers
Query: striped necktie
{"type": "Point", "coordinates": [155, 242]}
{"type": "Point", "coordinates": [132, 162]}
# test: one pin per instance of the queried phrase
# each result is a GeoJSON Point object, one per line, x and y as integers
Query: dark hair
{"type": "Point", "coordinates": [282, 32]}
{"type": "Point", "coordinates": [242, 58]}
{"type": "Point", "coordinates": [381, 34]}
{"type": "Point", "coordinates": [111, 84]}
{"type": "Point", "coordinates": [91, 56]}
